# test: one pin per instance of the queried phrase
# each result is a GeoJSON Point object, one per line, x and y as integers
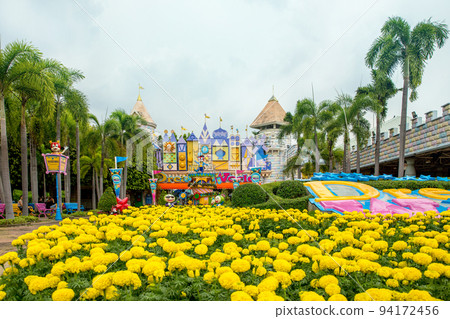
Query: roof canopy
{"type": "Point", "coordinates": [272, 113]}
{"type": "Point", "coordinates": [140, 110]}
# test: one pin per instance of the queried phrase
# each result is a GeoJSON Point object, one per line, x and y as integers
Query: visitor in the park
{"type": "Point", "coordinates": [41, 200]}
{"type": "Point", "coordinates": [20, 202]}
{"type": "Point", "coordinates": [50, 202]}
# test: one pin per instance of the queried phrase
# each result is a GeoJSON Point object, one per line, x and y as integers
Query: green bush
{"type": "Point", "coordinates": [247, 195]}
{"type": "Point", "coordinates": [107, 201]}
{"type": "Point", "coordinates": [18, 220]}
{"type": "Point", "coordinates": [412, 185]}
{"type": "Point", "coordinates": [280, 204]}
{"type": "Point", "coordinates": [291, 189]}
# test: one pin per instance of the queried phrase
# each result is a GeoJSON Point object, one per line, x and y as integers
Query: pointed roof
{"type": "Point", "coordinates": [191, 137]}
{"type": "Point", "coordinates": [140, 110]}
{"type": "Point", "coordinates": [204, 138]}
{"type": "Point", "coordinates": [272, 113]}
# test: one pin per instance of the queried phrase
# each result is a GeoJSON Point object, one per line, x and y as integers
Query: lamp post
{"type": "Point", "coordinates": [56, 163]}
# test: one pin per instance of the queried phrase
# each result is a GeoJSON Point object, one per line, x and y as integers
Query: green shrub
{"type": "Point", "coordinates": [247, 195]}
{"type": "Point", "coordinates": [160, 199]}
{"type": "Point", "coordinates": [291, 189]}
{"type": "Point", "coordinates": [300, 203]}
{"type": "Point", "coordinates": [107, 201]}
{"type": "Point", "coordinates": [18, 220]}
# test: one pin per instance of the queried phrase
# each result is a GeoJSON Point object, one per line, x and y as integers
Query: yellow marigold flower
{"type": "Point", "coordinates": [237, 237]}
{"type": "Point", "coordinates": [111, 293]}
{"type": "Point", "coordinates": [268, 284]}
{"type": "Point", "coordinates": [327, 280]}
{"type": "Point", "coordinates": [297, 274]}
{"type": "Point", "coordinates": [260, 271]}
{"type": "Point", "coordinates": [230, 247]}
{"type": "Point", "coordinates": [201, 249]}
{"type": "Point", "coordinates": [62, 285]}
{"type": "Point", "coordinates": [208, 241]}
{"type": "Point", "coordinates": [251, 290]}
{"type": "Point", "coordinates": [269, 296]}
{"type": "Point", "coordinates": [431, 274]}
{"type": "Point", "coordinates": [240, 296]}
{"type": "Point", "coordinates": [64, 294]}
{"type": "Point", "coordinates": [310, 296]}
{"type": "Point", "coordinates": [263, 245]}
{"type": "Point", "coordinates": [419, 295]}
{"type": "Point", "coordinates": [222, 270]}
{"type": "Point", "coordinates": [2, 295]}
{"type": "Point", "coordinates": [393, 283]}
{"type": "Point", "coordinates": [228, 280]}
{"type": "Point", "coordinates": [332, 289]}
{"type": "Point", "coordinates": [218, 257]}
{"type": "Point", "coordinates": [37, 284]}
{"type": "Point", "coordinates": [374, 294]}
{"type": "Point", "coordinates": [337, 297]}
{"type": "Point", "coordinates": [273, 252]}
{"type": "Point", "coordinates": [209, 277]}
{"type": "Point", "coordinates": [399, 245]}
{"type": "Point", "coordinates": [283, 246]}
{"type": "Point", "coordinates": [422, 259]}
{"type": "Point", "coordinates": [125, 256]}
{"type": "Point", "coordinates": [90, 294]}
{"type": "Point", "coordinates": [384, 272]}
{"type": "Point", "coordinates": [240, 265]}
{"type": "Point", "coordinates": [101, 282]}
{"type": "Point", "coordinates": [282, 265]}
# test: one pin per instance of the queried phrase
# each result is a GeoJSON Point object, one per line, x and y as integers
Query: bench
{"type": "Point", "coordinates": [2, 211]}
{"type": "Point", "coordinates": [41, 209]}
{"type": "Point", "coordinates": [72, 207]}
{"type": "Point", "coordinates": [17, 211]}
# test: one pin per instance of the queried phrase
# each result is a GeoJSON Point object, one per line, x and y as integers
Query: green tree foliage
{"type": "Point", "coordinates": [107, 201]}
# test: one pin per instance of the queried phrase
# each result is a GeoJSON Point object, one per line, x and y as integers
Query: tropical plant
{"type": "Point", "coordinates": [399, 45]}
{"type": "Point", "coordinates": [107, 201]}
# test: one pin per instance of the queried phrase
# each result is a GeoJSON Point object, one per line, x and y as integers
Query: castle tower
{"type": "Point", "coordinates": [169, 152]}
{"type": "Point", "coordinates": [182, 154]}
{"type": "Point", "coordinates": [235, 152]}
{"type": "Point", "coordinates": [220, 150]}
{"type": "Point", "coordinates": [192, 151]}
{"type": "Point", "coordinates": [204, 147]}
{"type": "Point", "coordinates": [140, 110]}
{"type": "Point", "coordinates": [269, 122]}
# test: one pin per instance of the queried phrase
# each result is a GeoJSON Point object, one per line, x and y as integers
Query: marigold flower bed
{"type": "Point", "coordinates": [222, 253]}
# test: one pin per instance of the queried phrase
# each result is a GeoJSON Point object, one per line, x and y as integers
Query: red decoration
{"type": "Point", "coordinates": [122, 204]}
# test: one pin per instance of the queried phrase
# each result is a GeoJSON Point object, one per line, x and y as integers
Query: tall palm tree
{"type": "Point", "coordinates": [399, 45]}
{"type": "Point", "coordinates": [10, 71]}
{"type": "Point", "coordinates": [86, 165]}
{"type": "Point", "coordinates": [105, 133]}
{"type": "Point", "coordinates": [38, 86]}
{"type": "Point", "coordinates": [76, 103]}
{"type": "Point", "coordinates": [381, 89]}
{"type": "Point", "coordinates": [361, 131]}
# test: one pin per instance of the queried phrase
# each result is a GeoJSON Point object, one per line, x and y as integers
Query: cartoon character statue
{"type": "Point", "coordinates": [170, 200]}
{"type": "Point", "coordinates": [219, 200]}
{"type": "Point", "coordinates": [201, 164]}
{"type": "Point", "coordinates": [56, 148]}
{"type": "Point", "coordinates": [213, 202]}
{"type": "Point", "coordinates": [121, 204]}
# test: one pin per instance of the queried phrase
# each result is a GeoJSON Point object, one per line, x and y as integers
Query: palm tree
{"type": "Point", "coordinates": [76, 103]}
{"type": "Point", "coordinates": [11, 57]}
{"type": "Point", "coordinates": [86, 165]}
{"type": "Point", "coordinates": [398, 45]}
{"type": "Point", "coordinates": [38, 86]}
{"type": "Point", "coordinates": [361, 130]}
{"type": "Point", "coordinates": [293, 127]}
{"type": "Point", "coordinates": [381, 89]}
{"type": "Point", "coordinates": [68, 130]}
{"type": "Point", "coordinates": [105, 133]}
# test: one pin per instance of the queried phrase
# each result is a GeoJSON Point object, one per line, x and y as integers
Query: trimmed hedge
{"type": "Point", "coordinates": [300, 203]}
{"type": "Point", "coordinates": [291, 189]}
{"type": "Point", "coordinates": [18, 220]}
{"type": "Point", "coordinates": [247, 195]}
{"type": "Point", "coordinates": [107, 201]}
{"type": "Point", "coordinates": [412, 185]}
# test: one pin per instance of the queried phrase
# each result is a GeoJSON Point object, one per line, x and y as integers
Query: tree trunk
{"type": "Point", "coordinates": [1, 186]}
{"type": "Point", "coordinates": [377, 146]}
{"type": "Point", "coordinates": [33, 172]}
{"type": "Point", "coordinates": [97, 185]}
{"type": "Point", "coordinates": [4, 162]}
{"type": "Point", "coordinates": [358, 157]}
{"type": "Point", "coordinates": [330, 156]}
{"type": "Point", "coordinates": [299, 159]}
{"type": "Point", "coordinates": [101, 167]}
{"type": "Point", "coordinates": [94, 203]}
{"type": "Point", "coordinates": [58, 138]}
{"type": "Point", "coordinates": [78, 168]}
{"type": "Point", "coordinates": [45, 187]}
{"type": "Point", "coordinates": [401, 153]}
{"type": "Point", "coordinates": [316, 151]}
{"type": "Point", "coordinates": [67, 188]}
{"type": "Point", "coordinates": [24, 159]}
{"type": "Point", "coordinates": [344, 164]}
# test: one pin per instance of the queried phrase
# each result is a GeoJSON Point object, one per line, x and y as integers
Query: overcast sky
{"type": "Point", "coordinates": [220, 57]}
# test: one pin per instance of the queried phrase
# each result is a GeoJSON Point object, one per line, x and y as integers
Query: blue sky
{"type": "Point", "coordinates": [220, 57]}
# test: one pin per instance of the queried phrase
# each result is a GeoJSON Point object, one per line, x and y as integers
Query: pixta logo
{"type": "Point", "coordinates": [138, 143]}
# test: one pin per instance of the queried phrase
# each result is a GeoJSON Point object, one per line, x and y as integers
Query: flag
{"type": "Point", "coordinates": [140, 87]}
{"type": "Point", "coordinates": [183, 128]}
{"type": "Point", "coordinates": [206, 116]}
{"type": "Point", "coordinates": [120, 159]}
{"type": "Point", "coordinates": [220, 118]}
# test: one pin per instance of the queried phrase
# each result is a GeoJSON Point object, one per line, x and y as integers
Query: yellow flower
{"type": "Point", "coordinates": [399, 245]}
{"type": "Point", "coordinates": [337, 297]}
{"type": "Point", "coordinates": [327, 280]}
{"type": "Point", "coordinates": [251, 290]}
{"type": "Point", "coordinates": [297, 274]}
{"type": "Point", "coordinates": [310, 296]}
{"type": "Point", "coordinates": [269, 296]}
{"type": "Point", "coordinates": [2, 295]}
{"type": "Point", "coordinates": [268, 284]}
{"type": "Point", "coordinates": [282, 265]}
{"type": "Point", "coordinates": [201, 249]}
{"type": "Point", "coordinates": [431, 274]}
{"type": "Point", "coordinates": [228, 280]}
{"type": "Point", "coordinates": [393, 283]}
{"type": "Point", "coordinates": [208, 277]}
{"type": "Point", "coordinates": [332, 289]}
{"type": "Point", "coordinates": [64, 294]}
{"type": "Point", "coordinates": [111, 293]}
{"type": "Point", "coordinates": [422, 259]}
{"type": "Point", "coordinates": [240, 265]}
{"type": "Point", "coordinates": [263, 245]}
{"type": "Point", "coordinates": [101, 282]}
{"type": "Point", "coordinates": [240, 296]}
{"type": "Point", "coordinates": [260, 271]}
